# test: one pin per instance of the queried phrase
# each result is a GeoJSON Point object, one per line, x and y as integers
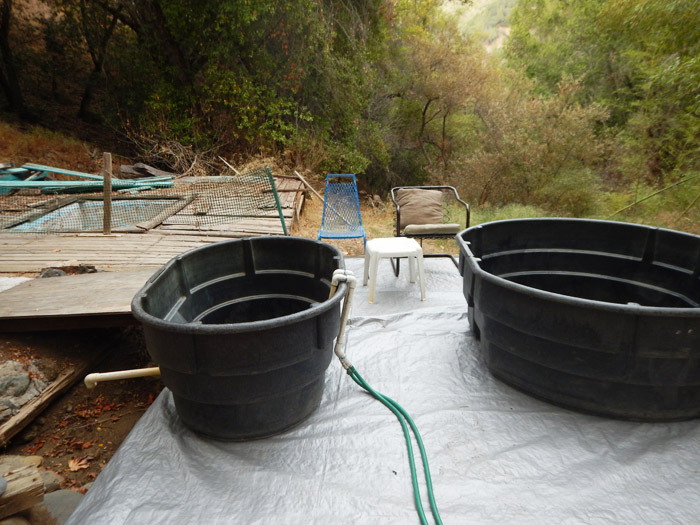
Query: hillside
{"type": "Point", "coordinates": [485, 19]}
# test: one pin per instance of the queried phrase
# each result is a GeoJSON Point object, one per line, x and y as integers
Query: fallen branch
{"type": "Point", "coordinates": [308, 185]}
{"type": "Point", "coordinates": [682, 181]}
{"type": "Point", "coordinates": [234, 169]}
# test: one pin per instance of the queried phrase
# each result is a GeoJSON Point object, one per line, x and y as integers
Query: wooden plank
{"type": "Point", "coordinates": [221, 209]}
{"type": "Point", "coordinates": [29, 411]}
{"type": "Point", "coordinates": [84, 300]}
{"type": "Point", "coordinates": [308, 185]}
{"type": "Point", "coordinates": [167, 212]}
{"type": "Point", "coordinates": [300, 204]}
{"type": "Point", "coordinates": [84, 257]}
{"type": "Point", "coordinates": [215, 236]}
{"type": "Point", "coordinates": [58, 246]}
{"type": "Point", "coordinates": [243, 222]}
{"type": "Point", "coordinates": [272, 227]}
{"type": "Point", "coordinates": [33, 408]}
{"type": "Point", "coordinates": [25, 489]}
{"type": "Point", "coordinates": [79, 362]}
{"type": "Point", "coordinates": [144, 170]}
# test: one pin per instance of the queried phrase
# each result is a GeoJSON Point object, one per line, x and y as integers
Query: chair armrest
{"type": "Point", "coordinates": [428, 229]}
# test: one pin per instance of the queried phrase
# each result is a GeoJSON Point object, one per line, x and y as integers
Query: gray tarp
{"type": "Point", "coordinates": [497, 455]}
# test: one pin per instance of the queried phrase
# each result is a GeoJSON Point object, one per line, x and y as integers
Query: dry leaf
{"type": "Point", "coordinates": [78, 464]}
{"type": "Point", "coordinates": [56, 250]}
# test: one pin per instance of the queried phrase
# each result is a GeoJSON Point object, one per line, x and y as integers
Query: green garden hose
{"type": "Point", "coordinates": [404, 419]}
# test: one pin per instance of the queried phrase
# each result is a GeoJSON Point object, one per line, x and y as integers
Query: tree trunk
{"type": "Point", "coordinates": [147, 20]}
{"type": "Point", "coordinates": [98, 59]}
{"type": "Point", "coordinates": [156, 22]}
{"type": "Point", "coordinates": [9, 80]}
{"type": "Point", "coordinates": [84, 111]}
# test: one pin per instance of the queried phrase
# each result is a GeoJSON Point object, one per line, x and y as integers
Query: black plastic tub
{"type": "Point", "coordinates": [243, 332]}
{"type": "Point", "coordinates": [597, 316]}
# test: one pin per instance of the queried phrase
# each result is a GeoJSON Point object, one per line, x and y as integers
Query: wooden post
{"type": "Point", "coordinates": [107, 175]}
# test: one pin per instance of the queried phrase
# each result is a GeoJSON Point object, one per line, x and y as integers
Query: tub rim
{"type": "Point", "coordinates": [228, 328]}
{"type": "Point", "coordinates": [569, 300]}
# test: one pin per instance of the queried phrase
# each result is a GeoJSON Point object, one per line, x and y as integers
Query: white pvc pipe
{"type": "Point", "coordinates": [91, 380]}
{"type": "Point", "coordinates": [338, 276]}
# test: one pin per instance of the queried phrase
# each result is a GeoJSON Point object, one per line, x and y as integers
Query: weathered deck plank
{"type": "Point", "coordinates": [109, 252]}
{"type": "Point", "coordinates": [73, 301]}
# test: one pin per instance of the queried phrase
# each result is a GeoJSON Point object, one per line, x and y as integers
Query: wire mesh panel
{"type": "Point", "coordinates": [198, 204]}
{"type": "Point", "coordinates": [86, 214]}
{"type": "Point", "coordinates": [224, 200]}
{"type": "Point", "coordinates": [341, 209]}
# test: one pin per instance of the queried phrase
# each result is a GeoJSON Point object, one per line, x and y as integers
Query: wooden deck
{"type": "Point", "coordinates": [29, 253]}
{"type": "Point", "coordinates": [73, 301]}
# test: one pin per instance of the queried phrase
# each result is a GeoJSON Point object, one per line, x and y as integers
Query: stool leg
{"type": "Point", "coordinates": [373, 265]}
{"type": "Point", "coordinates": [421, 276]}
{"type": "Point", "coordinates": [412, 268]}
{"type": "Point", "coordinates": [365, 274]}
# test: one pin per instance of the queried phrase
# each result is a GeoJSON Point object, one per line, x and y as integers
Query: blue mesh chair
{"type": "Point", "coordinates": [341, 210]}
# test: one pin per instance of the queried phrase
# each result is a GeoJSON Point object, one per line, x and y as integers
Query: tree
{"type": "Point", "coordinates": [662, 41]}
{"type": "Point", "coordinates": [9, 77]}
{"type": "Point", "coordinates": [263, 75]}
{"type": "Point", "coordinates": [97, 32]}
{"type": "Point", "coordinates": [640, 58]}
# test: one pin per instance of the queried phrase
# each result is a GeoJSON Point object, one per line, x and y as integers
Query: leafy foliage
{"type": "Point", "coordinates": [638, 58]}
{"type": "Point", "coordinates": [534, 150]}
{"type": "Point", "coordinates": [595, 98]}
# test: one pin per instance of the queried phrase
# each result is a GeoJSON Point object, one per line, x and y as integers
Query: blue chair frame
{"type": "Point", "coordinates": [341, 209]}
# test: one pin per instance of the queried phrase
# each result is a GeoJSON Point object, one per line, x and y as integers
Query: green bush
{"type": "Point", "coordinates": [572, 193]}
{"type": "Point", "coordinates": [509, 211]}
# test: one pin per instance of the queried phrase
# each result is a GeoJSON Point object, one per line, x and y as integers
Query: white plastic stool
{"type": "Point", "coordinates": [393, 247]}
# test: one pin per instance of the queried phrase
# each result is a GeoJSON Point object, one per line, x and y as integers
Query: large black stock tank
{"type": "Point", "coordinates": [243, 332]}
{"type": "Point", "coordinates": [592, 315]}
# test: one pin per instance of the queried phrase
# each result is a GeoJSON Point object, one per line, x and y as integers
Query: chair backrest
{"type": "Point", "coordinates": [426, 210]}
{"type": "Point", "coordinates": [341, 209]}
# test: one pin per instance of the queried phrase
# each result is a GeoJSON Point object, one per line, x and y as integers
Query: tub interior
{"type": "Point", "coordinates": [255, 282]}
{"type": "Point", "coordinates": [601, 288]}
{"type": "Point", "coordinates": [611, 262]}
{"type": "Point", "coordinates": [251, 309]}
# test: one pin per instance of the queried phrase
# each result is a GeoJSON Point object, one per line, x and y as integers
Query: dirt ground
{"type": "Point", "coordinates": [80, 431]}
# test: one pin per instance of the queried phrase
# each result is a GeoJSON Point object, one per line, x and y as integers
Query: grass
{"type": "Point", "coordinates": [510, 211]}
{"type": "Point", "coordinates": [379, 220]}
{"type": "Point", "coordinates": [41, 146]}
